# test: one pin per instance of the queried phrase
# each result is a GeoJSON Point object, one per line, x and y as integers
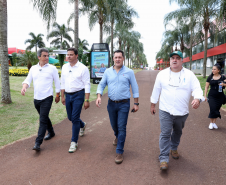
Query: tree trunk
{"type": "Point", "coordinates": [124, 53]}
{"type": "Point", "coordinates": [205, 54]}
{"type": "Point", "coordinates": [112, 27]}
{"type": "Point", "coordinates": [61, 43]}
{"type": "Point", "coordinates": [101, 32]}
{"type": "Point", "coordinates": [36, 48]}
{"type": "Point", "coordinates": [120, 43]}
{"type": "Point", "coordinates": [191, 38]}
{"type": "Point", "coordinates": [6, 96]}
{"type": "Point", "coordinates": [76, 25]}
{"type": "Point", "coordinates": [128, 55]}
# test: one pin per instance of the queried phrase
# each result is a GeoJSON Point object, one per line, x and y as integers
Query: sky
{"type": "Point", "coordinates": [23, 19]}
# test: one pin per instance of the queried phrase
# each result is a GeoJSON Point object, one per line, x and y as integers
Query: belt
{"type": "Point", "coordinates": [74, 92]}
{"type": "Point", "coordinates": [120, 101]}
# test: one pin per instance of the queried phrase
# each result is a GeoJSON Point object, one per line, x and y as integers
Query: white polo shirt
{"type": "Point", "coordinates": [75, 78]}
{"type": "Point", "coordinates": [175, 90]}
{"type": "Point", "coordinates": [43, 78]}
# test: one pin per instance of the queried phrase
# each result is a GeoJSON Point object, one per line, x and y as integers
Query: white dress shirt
{"type": "Point", "coordinates": [75, 78]}
{"type": "Point", "coordinates": [43, 78]}
{"type": "Point", "coordinates": [175, 90]}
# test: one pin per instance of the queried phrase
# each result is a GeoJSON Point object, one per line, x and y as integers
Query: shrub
{"type": "Point", "coordinates": [18, 72]}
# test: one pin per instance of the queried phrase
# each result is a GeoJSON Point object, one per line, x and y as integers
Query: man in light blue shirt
{"type": "Point", "coordinates": [119, 78]}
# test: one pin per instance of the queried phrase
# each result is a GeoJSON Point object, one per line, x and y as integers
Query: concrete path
{"type": "Point", "coordinates": [202, 151]}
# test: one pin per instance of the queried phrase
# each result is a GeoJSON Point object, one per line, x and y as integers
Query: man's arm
{"type": "Point", "coordinates": [101, 88]}
{"type": "Point", "coordinates": [197, 92]}
{"type": "Point", "coordinates": [26, 83]}
{"type": "Point", "coordinates": [62, 96]}
{"type": "Point", "coordinates": [57, 84]}
{"type": "Point", "coordinates": [86, 81]}
{"type": "Point", "coordinates": [155, 94]}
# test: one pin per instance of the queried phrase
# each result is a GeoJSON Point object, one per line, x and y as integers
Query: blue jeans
{"type": "Point", "coordinates": [118, 114]}
{"type": "Point", "coordinates": [171, 131]}
{"type": "Point", "coordinates": [43, 107]}
{"type": "Point", "coordinates": [74, 104]}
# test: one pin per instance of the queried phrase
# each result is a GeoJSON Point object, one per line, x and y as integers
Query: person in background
{"type": "Point", "coordinates": [43, 74]}
{"type": "Point", "coordinates": [95, 70]}
{"type": "Point", "coordinates": [102, 69]}
{"type": "Point", "coordinates": [216, 95]}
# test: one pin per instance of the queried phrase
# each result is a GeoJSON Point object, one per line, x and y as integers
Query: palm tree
{"type": "Point", "coordinates": [60, 33]}
{"type": "Point", "coordinates": [121, 13]}
{"type": "Point", "coordinates": [6, 96]}
{"type": "Point", "coordinates": [203, 10]}
{"type": "Point", "coordinates": [83, 44]}
{"type": "Point", "coordinates": [29, 58]}
{"type": "Point", "coordinates": [36, 41]}
{"type": "Point", "coordinates": [97, 12]}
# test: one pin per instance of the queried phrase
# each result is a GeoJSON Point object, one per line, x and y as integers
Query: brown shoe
{"type": "Point", "coordinates": [163, 166]}
{"type": "Point", "coordinates": [119, 158]}
{"type": "Point", "coordinates": [175, 154]}
{"type": "Point", "coordinates": [115, 142]}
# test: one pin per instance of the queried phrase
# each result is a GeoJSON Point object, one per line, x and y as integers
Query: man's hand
{"type": "Point", "coordinates": [86, 105]}
{"type": "Point", "coordinates": [152, 109]}
{"type": "Point", "coordinates": [98, 101]}
{"type": "Point", "coordinates": [195, 103]}
{"type": "Point", "coordinates": [57, 99]}
{"type": "Point", "coordinates": [63, 100]}
{"type": "Point", "coordinates": [24, 89]}
{"type": "Point", "coordinates": [135, 108]}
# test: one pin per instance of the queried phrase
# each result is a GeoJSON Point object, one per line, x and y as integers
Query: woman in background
{"type": "Point", "coordinates": [103, 68]}
{"type": "Point", "coordinates": [215, 96]}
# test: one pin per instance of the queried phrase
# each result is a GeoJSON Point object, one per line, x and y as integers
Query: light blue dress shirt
{"type": "Point", "coordinates": [119, 84]}
{"type": "Point", "coordinates": [102, 69]}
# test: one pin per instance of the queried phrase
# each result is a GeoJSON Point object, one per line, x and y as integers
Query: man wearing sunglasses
{"type": "Point", "coordinates": [174, 85]}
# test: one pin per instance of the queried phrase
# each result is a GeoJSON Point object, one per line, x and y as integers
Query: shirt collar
{"type": "Point", "coordinates": [120, 69]}
{"type": "Point", "coordinates": [76, 65]}
{"type": "Point", "coordinates": [43, 66]}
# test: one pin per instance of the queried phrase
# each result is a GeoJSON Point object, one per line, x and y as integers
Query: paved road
{"type": "Point", "coordinates": [202, 151]}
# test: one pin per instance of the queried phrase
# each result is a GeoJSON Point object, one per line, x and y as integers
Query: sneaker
{"type": "Point", "coordinates": [119, 158]}
{"type": "Point", "coordinates": [215, 126]}
{"type": "Point", "coordinates": [82, 130]}
{"type": "Point", "coordinates": [163, 165]}
{"type": "Point", "coordinates": [115, 142]}
{"type": "Point", "coordinates": [211, 126]}
{"type": "Point", "coordinates": [73, 147]}
{"type": "Point", "coordinates": [174, 154]}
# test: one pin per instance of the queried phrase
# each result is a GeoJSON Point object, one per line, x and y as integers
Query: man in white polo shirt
{"type": "Point", "coordinates": [175, 85]}
{"type": "Point", "coordinates": [75, 84]}
{"type": "Point", "coordinates": [43, 74]}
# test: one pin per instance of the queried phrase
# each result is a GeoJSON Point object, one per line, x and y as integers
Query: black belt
{"type": "Point", "coordinates": [120, 101]}
{"type": "Point", "coordinates": [74, 92]}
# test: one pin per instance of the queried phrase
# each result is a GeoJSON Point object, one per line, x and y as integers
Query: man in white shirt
{"type": "Point", "coordinates": [175, 85]}
{"type": "Point", "coordinates": [43, 74]}
{"type": "Point", "coordinates": [75, 84]}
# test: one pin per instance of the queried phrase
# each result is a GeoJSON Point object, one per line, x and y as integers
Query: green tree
{"type": "Point", "coordinates": [29, 58]}
{"type": "Point", "coordinates": [60, 33]}
{"type": "Point", "coordinates": [6, 96]}
{"type": "Point", "coordinates": [83, 44]}
{"type": "Point", "coordinates": [203, 10]}
{"type": "Point", "coordinates": [36, 41]}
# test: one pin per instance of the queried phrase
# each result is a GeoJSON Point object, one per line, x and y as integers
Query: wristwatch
{"type": "Point", "coordinates": [57, 96]}
{"type": "Point", "coordinates": [86, 100]}
{"type": "Point", "coordinates": [136, 103]}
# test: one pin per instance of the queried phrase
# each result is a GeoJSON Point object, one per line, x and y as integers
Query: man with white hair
{"type": "Point", "coordinates": [174, 85]}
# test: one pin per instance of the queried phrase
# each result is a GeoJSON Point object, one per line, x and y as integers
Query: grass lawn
{"type": "Point", "coordinates": [20, 119]}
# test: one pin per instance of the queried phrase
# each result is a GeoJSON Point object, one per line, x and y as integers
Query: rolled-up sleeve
{"type": "Point", "coordinates": [156, 90]}
{"type": "Point", "coordinates": [86, 80]}
{"type": "Point", "coordinates": [56, 80]}
{"type": "Point", "coordinates": [134, 85]}
{"type": "Point", "coordinates": [102, 84]}
{"type": "Point", "coordinates": [29, 78]}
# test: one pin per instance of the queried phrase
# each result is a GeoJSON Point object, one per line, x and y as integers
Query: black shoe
{"type": "Point", "coordinates": [49, 136]}
{"type": "Point", "coordinates": [36, 147]}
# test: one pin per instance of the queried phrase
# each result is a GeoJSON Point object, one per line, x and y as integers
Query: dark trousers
{"type": "Point", "coordinates": [43, 107]}
{"type": "Point", "coordinates": [74, 104]}
{"type": "Point", "coordinates": [118, 114]}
